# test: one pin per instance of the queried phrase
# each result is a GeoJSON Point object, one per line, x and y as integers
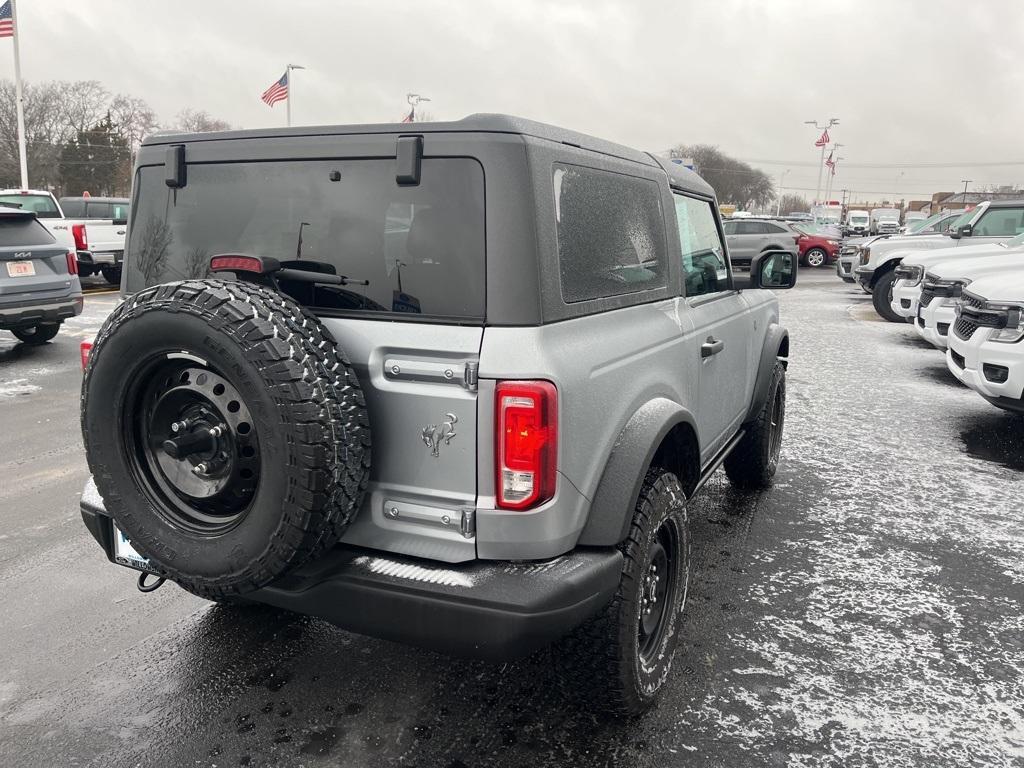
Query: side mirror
{"type": "Point", "coordinates": [965, 231]}
{"type": "Point", "coordinates": [773, 269]}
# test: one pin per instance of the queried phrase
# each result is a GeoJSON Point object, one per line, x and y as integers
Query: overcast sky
{"type": "Point", "coordinates": [920, 82]}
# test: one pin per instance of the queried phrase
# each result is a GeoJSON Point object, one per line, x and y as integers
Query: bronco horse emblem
{"type": "Point", "coordinates": [434, 434]}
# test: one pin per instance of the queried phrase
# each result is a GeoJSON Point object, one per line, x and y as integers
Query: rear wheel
{"type": "Point", "coordinates": [752, 463]}
{"type": "Point", "coordinates": [37, 334]}
{"type": "Point", "coordinates": [881, 297]}
{"type": "Point", "coordinates": [619, 661]}
{"type": "Point", "coordinates": [815, 257]}
{"type": "Point", "coordinates": [112, 275]}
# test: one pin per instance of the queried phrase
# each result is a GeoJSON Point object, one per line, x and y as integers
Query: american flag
{"type": "Point", "coordinates": [277, 92]}
{"type": "Point", "coordinates": [823, 140]}
{"type": "Point", "coordinates": [6, 20]}
{"type": "Point", "coordinates": [410, 117]}
{"type": "Point", "coordinates": [830, 162]}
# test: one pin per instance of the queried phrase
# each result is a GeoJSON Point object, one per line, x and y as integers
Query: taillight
{"type": "Point", "coordinates": [72, 263]}
{"type": "Point", "coordinates": [85, 348]}
{"type": "Point", "coordinates": [526, 452]}
{"type": "Point", "coordinates": [78, 232]}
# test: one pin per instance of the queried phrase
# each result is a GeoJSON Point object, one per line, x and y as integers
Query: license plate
{"type": "Point", "coordinates": [106, 258]}
{"type": "Point", "coordinates": [125, 554]}
{"type": "Point", "coordinates": [20, 268]}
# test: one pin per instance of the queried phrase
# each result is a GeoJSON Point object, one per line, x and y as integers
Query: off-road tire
{"type": "Point", "coordinates": [308, 414]}
{"type": "Point", "coordinates": [881, 297]}
{"type": "Point", "coordinates": [752, 464]}
{"type": "Point", "coordinates": [600, 662]}
{"type": "Point", "coordinates": [37, 334]}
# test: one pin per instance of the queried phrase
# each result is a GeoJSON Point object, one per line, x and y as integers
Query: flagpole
{"type": "Point", "coordinates": [288, 101]}
{"type": "Point", "coordinates": [22, 154]}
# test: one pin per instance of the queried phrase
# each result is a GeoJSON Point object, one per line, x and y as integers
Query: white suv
{"type": "Point", "coordinates": [914, 267]}
{"type": "Point", "coordinates": [944, 283]}
{"type": "Point", "coordinates": [985, 350]}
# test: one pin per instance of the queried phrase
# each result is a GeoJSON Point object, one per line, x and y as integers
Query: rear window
{"type": "Point", "coordinates": [23, 231]}
{"type": "Point", "coordinates": [42, 205]}
{"type": "Point", "coordinates": [420, 247]}
{"type": "Point", "coordinates": [74, 208]}
{"type": "Point", "coordinates": [611, 233]}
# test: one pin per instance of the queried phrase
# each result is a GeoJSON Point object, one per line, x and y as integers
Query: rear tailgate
{"type": "Point", "coordinates": [105, 239]}
{"type": "Point", "coordinates": [34, 271]}
{"type": "Point", "coordinates": [32, 265]}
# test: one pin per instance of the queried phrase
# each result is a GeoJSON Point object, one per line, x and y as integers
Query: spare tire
{"type": "Point", "coordinates": [226, 432]}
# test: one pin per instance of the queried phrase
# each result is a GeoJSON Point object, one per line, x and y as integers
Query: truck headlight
{"type": "Point", "coordinates": [1013, 331]}
{"type": "Point", "coordinates": [911, 273]}
{"type": "Point", "coordinates": [865, 255]}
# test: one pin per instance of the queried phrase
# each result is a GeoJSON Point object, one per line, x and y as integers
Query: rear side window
{"type": "Point", "coordinates": [611, 233]}
{"type": "Point", "coordinates": [73, 209]}
{"type": "Point", "coordinates": [749, 228]}
{"type": "Point", "coordinates": [420, 247]}
{"type": "Point", "coordinates": [23, 231]}
{"type": "Point", "coordinates": [775, 229]}
{"type": "Point", "coordinates": [1000, 222]}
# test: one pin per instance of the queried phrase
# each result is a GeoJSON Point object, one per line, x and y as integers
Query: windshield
{"type": "Point", "coordinates": [859, 219]}
{"type": "Point", "coordinates": [43, 205]}
{"type": "Point", "coordinates": [421, 248]}
{"type": "Point", "coordinates": [964, 218]}
{"type": "Point", "coordinates": [917, 226]}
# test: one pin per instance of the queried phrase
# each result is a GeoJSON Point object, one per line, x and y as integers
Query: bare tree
{"type": "Point", "coordinates": [133, 119]}
{"type": "Point", "coordinates": [733, 180]}
{"type": "Point", "coordinates": [790, 203]}
{"type": "Point", "coordinates": [84, 103]}
{"type": "Point", "coordinates": [200, 121]}
{"type": "Point", "coordinates": [45, 133]}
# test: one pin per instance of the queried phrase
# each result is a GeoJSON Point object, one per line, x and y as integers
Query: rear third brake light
{"type": "Point", "coordinates": [81, 241]}
{"type": "Point", "coordinates": [72, 263]}
{"type": "Point", "coordinates": [526, 450]}
{"type": "Point", "coordinates": [236, 263]}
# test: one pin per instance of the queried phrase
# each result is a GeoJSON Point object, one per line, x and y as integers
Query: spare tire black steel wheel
{"type": "Point", "coordinates": [225, 431]}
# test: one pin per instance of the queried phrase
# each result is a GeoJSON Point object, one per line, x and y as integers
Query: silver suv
{"type": "Point", "coordinates": [39, 287]}
{"type": "Point", "coordinates": [450, 384]}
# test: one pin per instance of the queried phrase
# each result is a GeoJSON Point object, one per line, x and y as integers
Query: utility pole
{"type": "Point", "coordinates": [966, 182]}
{"type": "Point", "coordinates": [778, 200]}
{"type": "Point", "coordinates": [821, 163]}
{"type": "Point", "coordinates": [291, 90]}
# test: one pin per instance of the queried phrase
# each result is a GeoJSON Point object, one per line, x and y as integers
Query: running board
{"type": "Point", "coordinates": [715, 463]}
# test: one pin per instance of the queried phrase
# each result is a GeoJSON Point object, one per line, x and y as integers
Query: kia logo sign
{"type": "Point", "coordinates": [23, 255]}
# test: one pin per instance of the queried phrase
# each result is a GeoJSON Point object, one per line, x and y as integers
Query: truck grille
{"type": "Point", "coordinates": [932, 289]}
{"type": "Point", "coordinates": [973, 315]}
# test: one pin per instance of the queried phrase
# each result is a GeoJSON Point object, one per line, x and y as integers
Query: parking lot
{"type": "Point", "coordinates": [865, 611]}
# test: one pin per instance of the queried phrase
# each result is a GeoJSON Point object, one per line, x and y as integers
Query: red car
{"type": "Point", "coordinates": [816, 250]}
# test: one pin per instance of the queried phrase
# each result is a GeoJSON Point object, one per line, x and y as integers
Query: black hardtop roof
{"type": "Point", "coordinates": [12, 212]}
{"type": "Point", "coordinates": [1004, 203]}
{"type": "Point", "coordinates": [478, 123]}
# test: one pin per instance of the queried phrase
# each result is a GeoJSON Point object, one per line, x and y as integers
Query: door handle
{"type": "Point", "coordinates": [711, 347]}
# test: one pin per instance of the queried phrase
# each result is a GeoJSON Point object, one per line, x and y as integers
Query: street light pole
{"type": "Point", "coordinates": [291, 90]}
{"type": "Point", "coordinates": [414, 100]}
{"type": "Point", "coordinates": [832, 171]}
{"type": "Point", "coordinates": [821, 163]}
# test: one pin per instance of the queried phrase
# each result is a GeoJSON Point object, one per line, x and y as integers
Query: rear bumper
{"type": "Point", "coordinates": [28, 313]}
{"type": "Point", "coordinates": [100, 259]}
{"type": "Point", "coordinates": [490, 610]}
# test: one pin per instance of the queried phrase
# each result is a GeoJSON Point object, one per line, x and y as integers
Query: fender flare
{"type": "Point", "coordinates": [883, 267]}
{"type": "Point", "coordinates": [611, 510]}
{"type": "Point", "coordinates": [774, 340]}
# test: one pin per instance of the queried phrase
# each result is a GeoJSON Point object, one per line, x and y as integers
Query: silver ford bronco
{"type": "Point", "coordinates": [449, 384]}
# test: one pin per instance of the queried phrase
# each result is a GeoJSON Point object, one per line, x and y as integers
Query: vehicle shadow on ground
{"type": "Point", "coordinates": [12, 350]}
{"type": "Point", "coordinates": [997, 437]}
{"type": "Point", "coordinates": [940, 375]}
{"type": "Point", "coordinates": [304, 689]}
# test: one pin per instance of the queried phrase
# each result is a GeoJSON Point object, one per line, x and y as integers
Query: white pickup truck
{"type": "Point", "coordinates": [98, 242]}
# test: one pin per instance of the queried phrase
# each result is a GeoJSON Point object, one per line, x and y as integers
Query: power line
{"type": "Point", "coordinates": [965, 164]}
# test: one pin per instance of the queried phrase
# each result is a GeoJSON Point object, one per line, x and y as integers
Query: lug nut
{"type": "Point", "coordinates": [178, 426]}
{"type": "Point", "coordinates": [200, 468]}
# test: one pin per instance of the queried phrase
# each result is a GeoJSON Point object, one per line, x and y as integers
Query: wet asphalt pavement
{"type": "Point", "coordinates": [865, 611]}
